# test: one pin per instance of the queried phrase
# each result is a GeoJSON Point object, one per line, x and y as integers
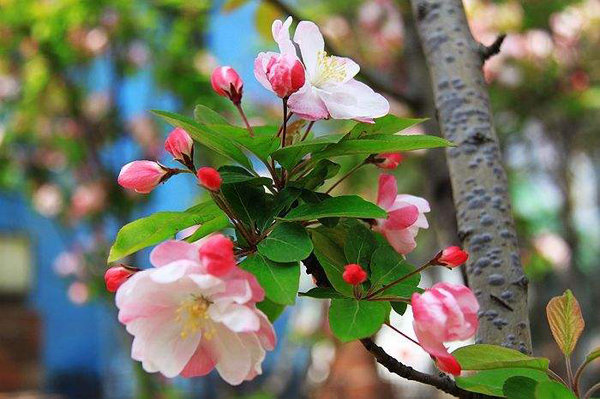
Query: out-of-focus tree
{"type": "Point", "coordinates": [63, 65]}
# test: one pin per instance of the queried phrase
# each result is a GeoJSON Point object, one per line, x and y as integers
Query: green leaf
{"type": "Point", "coordinates": [328, 247]}
{"type": "Point", "coordinates": [248, 201]}
{"type": "Point", "coordinates": [376, 144]}
{"type": "Point", "coordinates": [490, 382]}
{"type": "Point", "coordinates": [207, 116]}
{"type": "Point", "coordinates": [159, 227]}
{"type": "Point", "coordinates": [219, 223]}
{"type": "Point", "coordinates": [322, 293]}
{"type": "Point", "coordinates": [278, 205]}
{"type": "Point", "coordinates": [489, 357]}
{"type": "Point", "coordinates": [360, 245]}
{"type": "Point", "coordinates": [271, 309]}
{"type": "Point", "coordinates": [350, 206]}
{"type": "Point", "coordinates": [279, 280]}
{"type": "Point", "coordinates": [290, 155]}
{"type": "Point", "coordinates": [262, 144]}
{"type": "Point", "coordinates": [399, 307]}
{"type": "Point", "coordinates": [387, 266]}
{"type": "Point", "coordinates": [288, 242]}
{"type": "Point", "coordinates": [324, 170]}
{"type": "Point", "coordinates": [566, 321]}
{"type": "Point", "coordinates": [352, 319]}
{"type": "Point", "coordinates": [553, 390]}
{"type": "Point", "coordinates": [231, 174]}
{"type": "Point", "coordinates": [519, 388]}
{"type": "Point", "coordinates": [207, 137]}
{"type": "Point", "coordinates": [389, 124]}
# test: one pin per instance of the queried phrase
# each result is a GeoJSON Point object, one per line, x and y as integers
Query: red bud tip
{"type": "Point", "coordinates": [452, 257]}
{"type": "Point", "coordinates": [226, 82]}
{"type": "Point", "coordinates": [354, 274]}
{"type": "Point", "coordinates": [116, 276]}
{"type": "Point", "coordinates": [209, 178]}
{"type": "Point", "coordinates": [216, 254]}
{"type": "Point", "coordinates": [179, 144]}
{"type": "Point", "coordinates": [389, 161]}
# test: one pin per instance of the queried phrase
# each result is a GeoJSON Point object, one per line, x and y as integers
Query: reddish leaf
{"type": "Point", "coordinates": [566, 321]}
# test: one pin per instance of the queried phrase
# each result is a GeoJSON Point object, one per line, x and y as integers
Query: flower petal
{"type": "Point", "coordinates": [307, 104]}
{"type": "Point", "coordinates": [236, 317]}
{"type": "Point", "coordinates": [172, 250]}
{"type": "Point", "coordinates": [354, 99]}
{"type": "Point", "coordinates": [233, 357]}
{"type": "Point", "coordinates": [387, 191]}
{"type": "Point", "coordinates": [281, 34]}
{"type": "Point", "coordinates": [201, 363]}
{"type": "Point", "coordinates": [401, 218]}
{"type": "Point", "coordinates": [311, 43]}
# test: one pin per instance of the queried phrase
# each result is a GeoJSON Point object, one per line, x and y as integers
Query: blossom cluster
{"type": "Point", "coordinates": [196, 309]}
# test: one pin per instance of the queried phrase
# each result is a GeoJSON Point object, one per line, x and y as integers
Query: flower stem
{"type": "Point", "coordinates": [401, 333]}
{"type": "Point", "coordinates": [354, 169]}
{"type": "Point", "coordinates": [284, 129]}
{"type": "Point", "coordinates": [393, 283]}
{"type": "Point", "coordinates": [243, 115]}
{"type": "Point", "coordinates": [308, 128]}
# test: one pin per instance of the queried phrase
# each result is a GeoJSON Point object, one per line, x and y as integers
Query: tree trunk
{"type": "Point", "coordinates": [480, 190]}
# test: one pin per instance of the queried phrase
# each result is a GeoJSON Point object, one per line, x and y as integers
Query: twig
{"type": "Point", "coordinates": [590, 391]}
{"type": "Point", "coordinates": [488, 52]}
{"type": "Point", "coordinates": [399, 280]}
{"type": "Point", "coordinates": [401, 333]}
{"type": "Point", "coordinates": [442, 383]}
{"type": "Point", "coordinates": [310, 125]}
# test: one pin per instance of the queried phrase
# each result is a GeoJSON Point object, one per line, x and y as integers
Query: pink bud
{"type": "Point", "coordinates": [179, 144]}
{"type": "Point", "coordinates": [141, 176]}
{"type": "Point", "coordinates": [209, 178]}
{"type": "Point", "coordinates": [444, 313]}
{"type": "Point", "coordinates": [216, 254]}
{"type": "Point", "coordinates": [116, 276]}
{"type": "Point", "coordinates": [452, 257]}
{"type": "Point", "coordinates": [286, 74]}
{"type": "Point", "coordinates": [354, 274]}
{"type": "Point", "coordinates": [226, 82]}
{"type": "Point", "coordinates": [390, 161]}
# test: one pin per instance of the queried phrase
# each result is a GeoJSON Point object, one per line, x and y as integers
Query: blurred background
{"type": "Point", "coordinates": [77, 81]}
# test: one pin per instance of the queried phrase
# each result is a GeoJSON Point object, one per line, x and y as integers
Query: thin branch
{"type": "Point", "coordinates": [593, 389]}
{"type": "Point", "coordinates": [488, 52]}
{"type": "Point", "coordinates": [354, 169]}
{"type": "Point", "coordinates": [366, 76]}
{"type": "Point", "coordinates": [443, 383]}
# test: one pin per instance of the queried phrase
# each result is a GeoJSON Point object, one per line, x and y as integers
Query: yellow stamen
{"type": "Point", "coordinates": [328, 69]}
{"type": "Point", "coordinates": [193, 313]}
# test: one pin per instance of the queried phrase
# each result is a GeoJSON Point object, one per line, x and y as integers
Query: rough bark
{"type": "Point", "coordinates": [480, 190]}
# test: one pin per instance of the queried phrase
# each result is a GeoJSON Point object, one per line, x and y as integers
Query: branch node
{"type": "Point", "coordinates": [486, 52]}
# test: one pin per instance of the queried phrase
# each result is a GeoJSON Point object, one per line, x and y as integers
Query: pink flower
{"type": "Point", "coordinates": [226, 82]}
{"type": "Point", "coordinates": [354, 274]}
{"type": "Point", "coordinates": [188, 322]}
{"type": "Point", "coordinates": [390, 161]}
{"type": "Point", "coordinates": [116, 276]}
{"type": "Point", "coordinates": [141, 176]}
{"type": "Point", "coordinates": [209, 178]}
{"type": "Point", "coordinates": [444, 313]}
{"type": "Point", "coordinates": [281, 73]}
{"type": "Point", "coordinates": [217, 255]}
{"type": "Point", "coordinates": [452, 257]}
{"type": "Point", "coordinates": [330, 89]}
{"type": "Point", "coordinates": [406, 215]}
{"type": "Point", "coordinates": [180, 145]}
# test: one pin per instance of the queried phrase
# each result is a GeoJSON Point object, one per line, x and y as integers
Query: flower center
{"type": "Point", "coordinates": [328, 69]}
{"type": "Point", "coordinates": [193, 314]}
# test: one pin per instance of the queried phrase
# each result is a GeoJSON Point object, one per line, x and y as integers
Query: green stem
{"type": "Point", "coordinates": [354, 169]}
{"type": "Point", "coordinates": [393, 283]}
{"type": "Point", "coordinates": [243, 115]}
{"type": "Point", "coordinates": [401, 333]}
